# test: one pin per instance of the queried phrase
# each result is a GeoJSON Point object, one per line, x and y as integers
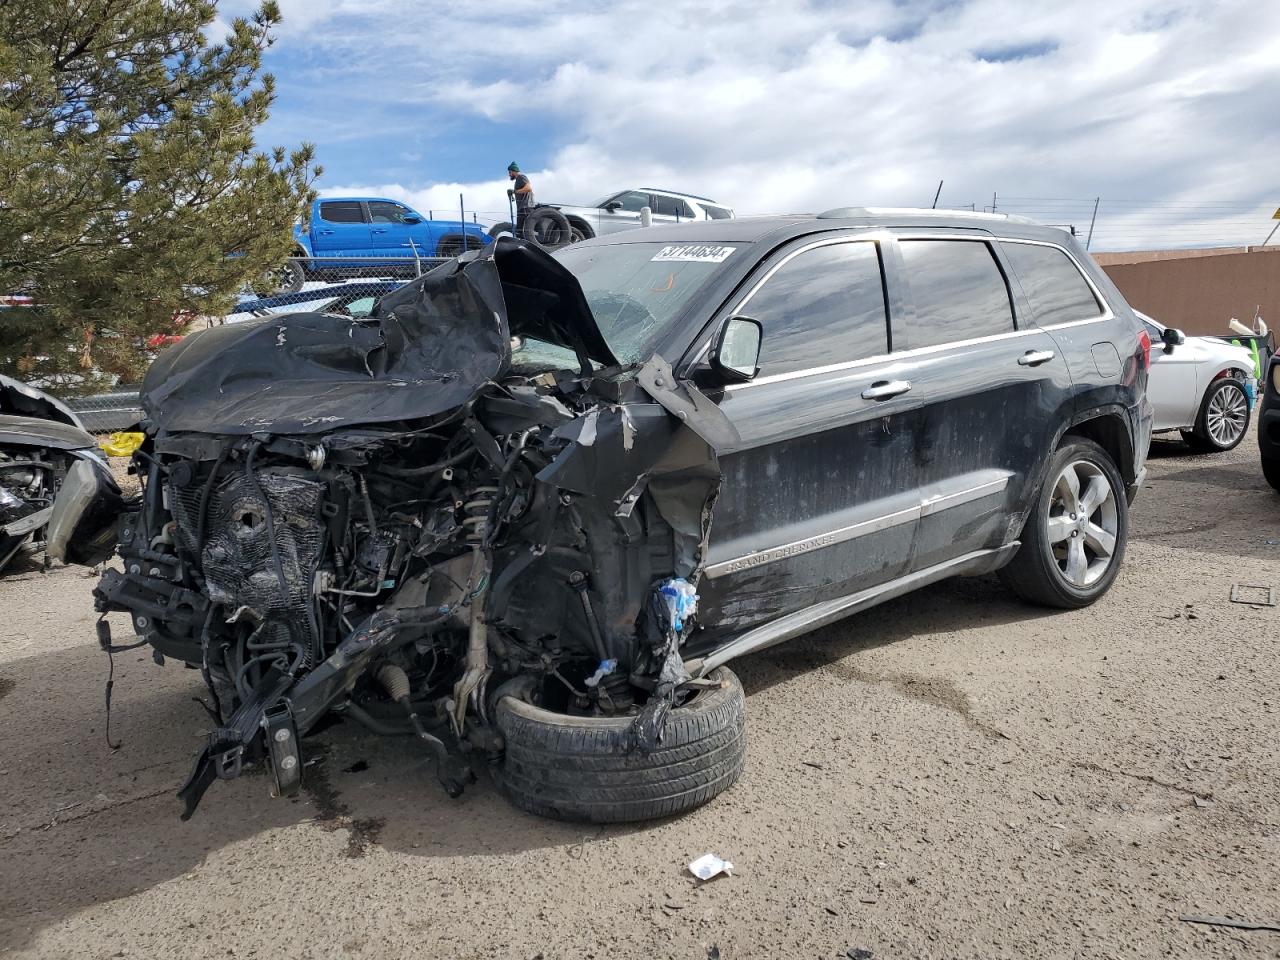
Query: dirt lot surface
{"type": "Point", "coordinates": [950, 775]}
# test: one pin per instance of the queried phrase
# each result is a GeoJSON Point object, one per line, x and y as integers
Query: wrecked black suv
{"type": "Point", "coordinates": [525, 513]}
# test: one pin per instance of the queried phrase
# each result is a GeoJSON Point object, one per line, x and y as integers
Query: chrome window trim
{"type": "Point", "coordinates": [873, 235]}
{"type": "Point", "coordinates": [882, 358]}
{"type": "Point", "coordinates": [877, 236]}
{"type": "Point", "coordinates": [795, 548]}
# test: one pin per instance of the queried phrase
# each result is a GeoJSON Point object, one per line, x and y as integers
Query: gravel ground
{"type": "Point", "coordinates": [950, 775]}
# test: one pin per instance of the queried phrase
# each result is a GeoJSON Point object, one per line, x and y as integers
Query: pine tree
{"type": "Point", "coordinates": [132, 192]}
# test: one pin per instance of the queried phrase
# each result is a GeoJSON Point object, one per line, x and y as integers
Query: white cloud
{"type": "Point", "coordinates": [806, 105]}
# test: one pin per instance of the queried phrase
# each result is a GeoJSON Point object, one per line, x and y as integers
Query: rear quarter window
{"type": "Point", "coordinates": [342, 211]}
{"type": "Point", "coordinates": [1054, 285]}
{"type": "Point", "coordinates": [958, 290]}
{"type": "Point", "coordinates": [672, 207]}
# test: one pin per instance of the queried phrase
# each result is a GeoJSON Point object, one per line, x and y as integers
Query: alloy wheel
{"type": "Point", "coordinates": [1083, 523]}
{"type": "Point", "coordinates": [1227, 415]}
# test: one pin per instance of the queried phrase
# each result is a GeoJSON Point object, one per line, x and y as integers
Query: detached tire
{"type": "Point", "coordinates": [584, 769]}
{"type": "Point", "coordinates": [547, 227]}
{"type": "Point", "coordinates": [501, 229]}
{"type": "Point", "coordinates": [1223, 419]}
{"type": "Point", "coordinates": [1074, 538]}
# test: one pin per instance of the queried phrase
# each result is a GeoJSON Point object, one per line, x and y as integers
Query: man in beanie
{"type": "Point", "coordinates": [522, 193]}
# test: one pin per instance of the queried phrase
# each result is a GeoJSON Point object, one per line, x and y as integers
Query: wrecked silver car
{"type": "Point", "coordinates": [45, 454]}
{"type": "Point", "coordinates": [525, 513]}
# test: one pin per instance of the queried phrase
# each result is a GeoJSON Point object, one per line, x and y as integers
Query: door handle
{"type": "Point", "coordinates": [379, 230]}
{"type": "Point", "coordinates": [325, 232]}
{"type": "Point", "coordinates": [1033, 358]}
{"type": "Point", "coordinates": [884, 389]}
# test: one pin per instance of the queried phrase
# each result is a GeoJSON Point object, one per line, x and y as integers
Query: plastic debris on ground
{"type": "Point", "coordinates": [709, 865]}
{"type": "Point", "coordinates": [122, 444]}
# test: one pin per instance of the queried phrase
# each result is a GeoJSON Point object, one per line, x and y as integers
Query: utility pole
{"type": "Point", "coordinates": [937, 195]}
{"type": "Point", "coordinates": [993, 201]}
{"type": "Point", "coordinates": [1092, 220]}
{"type": "Point", "coordinates": [1275, 216]}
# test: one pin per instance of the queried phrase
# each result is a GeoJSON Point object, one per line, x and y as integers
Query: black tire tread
{"type": "Point", "coordinates": [562, 234]}
{"type": "Point", "coordinates": [1029, 574]}
{"type": "Point", "coordinates": [573, 768]}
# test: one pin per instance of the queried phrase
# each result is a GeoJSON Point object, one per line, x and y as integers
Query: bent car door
{"type": "Point", "coordinates": [341, 230]}
{"type": "Point", "coordinates": [988, 393]}
{"type": "Point", "coordinates": [818, 499]}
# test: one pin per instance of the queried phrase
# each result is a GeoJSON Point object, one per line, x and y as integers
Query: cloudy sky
{"type": "Point", "coordinates": [1169, 110]}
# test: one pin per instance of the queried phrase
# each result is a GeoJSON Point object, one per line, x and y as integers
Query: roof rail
{"type": "Point", "coordinates": [847, 213]}
{"type": "Point", "coordinates": [680, 193]}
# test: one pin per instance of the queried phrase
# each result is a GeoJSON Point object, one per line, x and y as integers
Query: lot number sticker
{"type": "Point", "coordinates": [698, 253]}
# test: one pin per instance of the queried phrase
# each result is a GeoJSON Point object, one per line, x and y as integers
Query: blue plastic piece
{"type": "Point", "coordinates": [606, 667]}
{"type": "Point", "coordinates": [680, 599]}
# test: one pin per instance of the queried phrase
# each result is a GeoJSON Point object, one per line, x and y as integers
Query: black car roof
{"type": "Point", "coordinates": [782, 228]}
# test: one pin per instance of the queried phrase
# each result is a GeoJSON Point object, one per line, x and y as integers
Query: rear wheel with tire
{"type": "Point", "coordinates": [1223, 419]}
{"type": "Point", "coordinates": [289, 277]}
{"type": "Point", "coordinates": [1074, 539]}
{"type": "Point", "coordinates": [588, 769]}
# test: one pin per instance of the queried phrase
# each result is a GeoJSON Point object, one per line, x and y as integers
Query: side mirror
{"type": "Point", "coordinates": [410, 218]}
{"type": "Point", "coordinates": [613, 205]}
{"type": "Point", "coordinates": [736, 355]}
{"type": "Point", "coordinates": [1172, 337]}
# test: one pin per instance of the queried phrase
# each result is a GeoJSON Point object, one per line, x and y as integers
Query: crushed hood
{"type": "Point", "coordinates": [428, 348]}
{"type": "Point", "coordinates": [22, 400]}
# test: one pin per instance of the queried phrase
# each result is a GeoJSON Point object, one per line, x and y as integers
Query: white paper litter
{"type": "Point", "coordinates": [709, 865]}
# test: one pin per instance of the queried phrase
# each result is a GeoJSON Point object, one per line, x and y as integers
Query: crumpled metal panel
{"type": "Point", "coordinates": [429, 347]}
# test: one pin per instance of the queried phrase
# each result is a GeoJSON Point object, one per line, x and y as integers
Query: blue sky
{"type": "Point", "coordinates": [1164, 109]}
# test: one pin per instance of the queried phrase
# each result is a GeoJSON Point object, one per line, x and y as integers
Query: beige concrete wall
{"type": "Point", "coordinates": [1200, 293]}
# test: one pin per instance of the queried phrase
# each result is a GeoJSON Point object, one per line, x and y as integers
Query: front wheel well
{"type": "Point", "coordinates": [581, 226]}
{"type": "Point", "coordinates": [452, 244]}
{"type": "Point", "coordinates": [1110, 432]}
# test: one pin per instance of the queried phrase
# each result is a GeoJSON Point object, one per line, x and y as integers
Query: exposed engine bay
{"type": "Point", "coordinates": [395, 521]}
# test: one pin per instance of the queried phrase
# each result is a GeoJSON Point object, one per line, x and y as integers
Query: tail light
{"type": "Point", "coordinates": [1144, 341]}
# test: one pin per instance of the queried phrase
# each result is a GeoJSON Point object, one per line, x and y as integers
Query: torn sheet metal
{"type": "Point", "coordinates": [429, 347]}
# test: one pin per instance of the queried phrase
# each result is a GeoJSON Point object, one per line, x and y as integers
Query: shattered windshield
{"type": "Point", "coordinates": [635, 289]}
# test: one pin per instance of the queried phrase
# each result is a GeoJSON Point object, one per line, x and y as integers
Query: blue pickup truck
{"type": "Point", "coordinates": [369, 227]}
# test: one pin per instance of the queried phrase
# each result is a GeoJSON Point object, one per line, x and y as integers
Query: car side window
{"type": "Point", "coordinates": [383, 211]}
{"type": "Point", "coordinates": [342, 211]}
{"type": "Point", "coordinates": [632, 201]}
{"type": "Point", "coordinates": [672, 207]}
{"type": "Point", "coordinates": [1052, 282]}
{"type": "Point", "coordinates": [958, 289]}
{"type": "Point", "coordinates": [716, 213]}
{"type": "Point", "coordinates": [823, 306]}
